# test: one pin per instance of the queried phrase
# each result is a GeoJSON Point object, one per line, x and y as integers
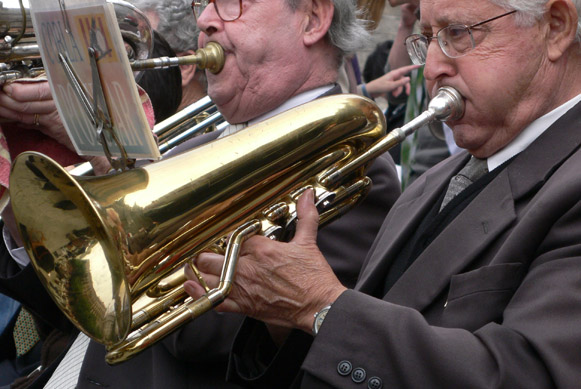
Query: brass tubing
{"type": "Point", "coordinates": [210, 57]}
{"type": "Point", "coordinates": [446, 105]}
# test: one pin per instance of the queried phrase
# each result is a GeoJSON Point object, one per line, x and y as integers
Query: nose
{"type": "Point", "coordinates": [438, 65]}
{"type": "Point", "coordinates": [209, 22]}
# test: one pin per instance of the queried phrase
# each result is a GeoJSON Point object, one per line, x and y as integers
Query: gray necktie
{"type": "Point", "coordinates": [474, 169]}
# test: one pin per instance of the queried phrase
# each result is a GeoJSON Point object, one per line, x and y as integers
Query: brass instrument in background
{"type": "Point", "coordinates": [196, 119]}
{"type": "Point", "coordinates": [110, 249]}
{"type": "Point", "coordinates": [20, 58]}
{"type": "Point", "coordinates": [20, 53]}
{"type": "Point", "coordinates": [18, 48]}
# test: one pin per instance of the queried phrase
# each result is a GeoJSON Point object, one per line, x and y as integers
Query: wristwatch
{"type": "Point", "coordinates": [319, 317]}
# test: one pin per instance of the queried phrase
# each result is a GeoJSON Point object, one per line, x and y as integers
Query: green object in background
{"type": "Point", "coordinates": [415, 106]}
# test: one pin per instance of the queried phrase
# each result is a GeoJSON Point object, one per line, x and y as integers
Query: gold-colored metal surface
{"type": "Point", "coordinates": [210, 57]}
{"type": "Point", "coordinates": [19, 51]}
{"type": "Point", "coordinates": [17, 34]}
{"type": "Point", "coordinates": [109, 249]}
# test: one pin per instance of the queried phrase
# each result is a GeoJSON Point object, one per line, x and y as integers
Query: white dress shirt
{"type": "Point", "coordinates": [294, 101]}
{"type": "Point", "coordinates": [529, 134]}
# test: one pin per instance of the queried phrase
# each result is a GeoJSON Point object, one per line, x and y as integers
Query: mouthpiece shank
{"type": "Point", "coordinates": [446, 105]}
{"type": "Point", "coordinates": [210, 57]}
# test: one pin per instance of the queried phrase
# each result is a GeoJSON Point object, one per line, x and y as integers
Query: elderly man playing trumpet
{"type": "Point", "coordinates": [480, 289]}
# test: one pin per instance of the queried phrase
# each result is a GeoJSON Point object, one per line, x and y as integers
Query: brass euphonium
{"type": "Point", "coordinates": [110, 249]}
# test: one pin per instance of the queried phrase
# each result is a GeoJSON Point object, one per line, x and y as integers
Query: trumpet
{"type": "Point", "coordinates": [110, 250]}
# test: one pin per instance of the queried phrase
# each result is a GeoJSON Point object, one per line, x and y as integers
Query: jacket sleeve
{"type": "Point", "coordinates": [532, 342]}
{"type": "Point", "coordinates": [254, 360]}
{"type": "Point", "coordinates": [24, 286]}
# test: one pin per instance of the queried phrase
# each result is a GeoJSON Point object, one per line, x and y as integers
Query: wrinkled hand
{"type": "Point", "coordinates": [394, 82]}
{"type": "Point", "coordinates": [283, 284]}
{"type": "Point", "coordinates": [32, 106]}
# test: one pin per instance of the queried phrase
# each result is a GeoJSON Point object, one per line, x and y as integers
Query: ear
{"type": "Point", "coordinates": [562, 27]}
{"type": "Point", "coordinates": [319, 17]}
{"type": "Point", "coordinates": [188, 71]}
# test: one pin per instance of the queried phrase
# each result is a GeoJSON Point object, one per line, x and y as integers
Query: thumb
{"type": "Point", "coordinates": [307, 219]}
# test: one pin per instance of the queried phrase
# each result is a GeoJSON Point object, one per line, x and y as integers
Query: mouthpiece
{"type": "Point", "coordinates": [210, 57]}
{"type": "Point", "coordinates": [447, 104]}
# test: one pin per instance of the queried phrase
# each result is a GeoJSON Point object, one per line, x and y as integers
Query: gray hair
{"type": "Point", "coordinates": [348, 32]}
{"type": "Point", "coordinates": [176, 22]}
{"type": "Point", "coordinates": [531, 11]}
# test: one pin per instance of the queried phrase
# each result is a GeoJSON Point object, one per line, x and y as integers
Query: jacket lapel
{"type": "Point", "coordinates": [478, 225]}
{"type": "Point", "coordinates": [489, 214]}
{"type": "Point", "coordinates": [417, 201]}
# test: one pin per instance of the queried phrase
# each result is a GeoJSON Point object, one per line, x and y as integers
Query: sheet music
{"type": "Point", "coordinates": [83, 24]}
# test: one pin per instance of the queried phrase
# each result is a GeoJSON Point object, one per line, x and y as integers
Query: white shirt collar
{"type": "Point", "coordinates": [294, 101]}
{"type": "Point", "coordinates": [529, 134]}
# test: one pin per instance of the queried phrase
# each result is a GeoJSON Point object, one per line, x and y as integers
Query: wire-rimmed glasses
{"type": "Point", "coordinates": [455, 40]}
{"type": "Point", "coordinates": [227, 10]}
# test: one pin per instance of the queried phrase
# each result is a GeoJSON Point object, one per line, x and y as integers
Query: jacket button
{"type": "Point", "coordinates": [344, 368]}
{"type": "Point", "coordinates": [374, 383]}
{"type": "Point", "coordinates": [358, 375]}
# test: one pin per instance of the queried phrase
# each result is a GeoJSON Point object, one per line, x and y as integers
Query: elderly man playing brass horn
{"type": "Point", "coordinates": [477, 290]}
{"type": "Point", "coordinates": [279, 54]}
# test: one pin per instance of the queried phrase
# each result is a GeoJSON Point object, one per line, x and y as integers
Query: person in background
{"type": "Point", "coordinates": [163, 86]}
{"type": "Point", "coordinates": [36, 335]}
{"type": "Point", "coordinates": [174, 21]}
{"type": "Point", "coordinates": [427, 146]}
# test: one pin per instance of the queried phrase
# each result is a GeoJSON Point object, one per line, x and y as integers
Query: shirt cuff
{"type": "Point", "coordinates": [19, 254]}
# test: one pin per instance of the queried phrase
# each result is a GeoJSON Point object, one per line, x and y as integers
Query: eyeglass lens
{"type": "Point", "coordinates": [455, 40]}
{"type": "Point", "coordinates": [227, 10]}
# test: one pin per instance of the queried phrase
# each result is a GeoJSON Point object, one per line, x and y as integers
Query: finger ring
{"type": "Point", "coordinates": [36, 119]}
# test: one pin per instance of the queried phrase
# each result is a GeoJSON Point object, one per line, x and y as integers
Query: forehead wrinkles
{"type": "Point", "coordinates": [443, 14]}
{"type": "Point", "coordinates": [444, 21]}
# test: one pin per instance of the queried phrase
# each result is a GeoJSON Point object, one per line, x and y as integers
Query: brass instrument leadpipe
{"type": "Point", "coordinates": [210, 57]}
{"type": "Point", "coordinates": [446, 105]}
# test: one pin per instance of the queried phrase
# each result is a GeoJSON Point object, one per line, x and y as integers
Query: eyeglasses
{"type": "Point", "coordinates": [227, 10]}
{"type": "Point", "coordinates": [455, 40]}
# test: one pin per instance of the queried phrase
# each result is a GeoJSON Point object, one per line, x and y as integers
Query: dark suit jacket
{"type": "Point", "coordinates": [23, 285]}
{"type": "Point", "coordinates": [493, 301]}
{"type": "Point", "coordinates": [196, 354]}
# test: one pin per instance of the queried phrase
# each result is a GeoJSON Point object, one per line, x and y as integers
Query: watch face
{"type": "Point", "coordinates": [319, 317]}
